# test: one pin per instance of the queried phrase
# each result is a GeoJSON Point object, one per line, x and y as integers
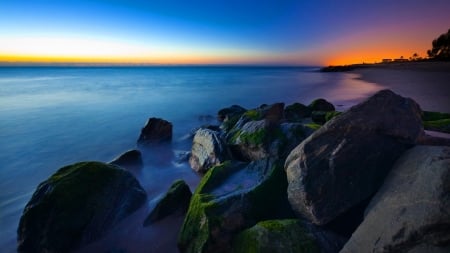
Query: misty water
{"type": "Point", "coordinates": [51, 117]}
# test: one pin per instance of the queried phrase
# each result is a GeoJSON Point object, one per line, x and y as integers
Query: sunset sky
{"type": "Point", "coordinates": [277, 32]}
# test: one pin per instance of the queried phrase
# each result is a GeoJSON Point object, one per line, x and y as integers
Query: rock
{"type": "Point", "coordinates": [250, 143]}
{"type": "Point", "coordinates": [259, 139]}
{"type": "Point", "coordinates": [319, 117]}
{"type": "Point", "coordinates": [234, 111]}
{"type": "Point", "coordinates": [176, 199]}
{"type": "Point", "coordinates": [296, 112]}
{"type": "Point", "coordinates": [230, 198]}
{"type": "Point", "coordinates": [410, 213]}
{"type": "Point", "coordinates": [208, 149]}
{"type": "Point", "coordinates": [346, 160]}
{"type": "Point", "coordinates": [321, 105]}
{"type": "Point", "coordinates": [132, 159]}
{"type": "Point", "coordinates": [155, 131]}
{"type": "Point", "coordinates": [283, 236]}
{"type": "Point", "coordinates": [77, 205]}
{"type": "Point", "coordinates": [274, 113]}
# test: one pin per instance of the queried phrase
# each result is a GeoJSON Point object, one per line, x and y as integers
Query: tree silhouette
{"type": "Point", "coordinates": [441, 47]}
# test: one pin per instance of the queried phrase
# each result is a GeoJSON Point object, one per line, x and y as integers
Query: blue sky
{"type": "Point", "coordinates": [200, 31]}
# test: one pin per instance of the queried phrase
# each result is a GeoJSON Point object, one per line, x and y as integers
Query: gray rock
{"type": "Point", "coordinates": [346, 160]}
{"type": "Point", "coordinates": [208, 149]}
{"type": "Point", "coordinates": [156, 131]}
{"type": "Point", "coordinates": [410, 213]}
{"type": "Point", "coordinates": [132, 159]}
{"type": "Point", "coordinates": [175, 200]}
{"type": "Point", "coordinates": [76, 206]}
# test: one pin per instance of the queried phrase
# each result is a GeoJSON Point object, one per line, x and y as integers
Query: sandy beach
{"type": "Point", "coordinates": [428, 83]}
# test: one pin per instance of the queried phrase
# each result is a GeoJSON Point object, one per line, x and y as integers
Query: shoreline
{"type": "Point", "coordinates": [425, 82]}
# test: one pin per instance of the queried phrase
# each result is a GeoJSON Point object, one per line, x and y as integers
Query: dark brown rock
{"type": "Point", "coordinates": [132, 159]}
{"type": "Point", "coordinates": [346, 160]}
{"type": "Point", "coordinates": [155, 131]}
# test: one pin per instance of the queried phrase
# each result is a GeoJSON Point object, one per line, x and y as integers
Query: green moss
{"type": "Point", "coordinates": [330, 115]}
{"type": "Point", "coordinates": [195, 231]}
{"type": "Point", "coordinates": [228, 124]}
{"type": "Point", "coordinates": [284, 236]}
{"type": "Point", "coordinates": [313, 126]}
{"type": "Point", "coordinates": [256, 138]}
{"type": "Point", "coordinates": [442, 125]}
{"type": "Point", "coordinates": [253, 114]}
{"type": "Point", "coordinates": [433, 116]}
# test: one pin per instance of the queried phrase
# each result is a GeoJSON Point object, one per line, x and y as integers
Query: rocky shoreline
{"type": "Point", "coordinates": [297, 178]}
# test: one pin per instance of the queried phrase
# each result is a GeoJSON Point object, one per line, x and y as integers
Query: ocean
{"type": "Point", "coordinates": [55, 116]}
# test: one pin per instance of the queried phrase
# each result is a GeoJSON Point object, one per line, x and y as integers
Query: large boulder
{"type": "Point", "coordinates": [131, 159]}
{"type": "Point", "coordinates": [410, 213]}
{"type": "Point", "coordinates": [76, 206]}
{"type": "Point", "coordinates": [208, 149]}
{"type": "Point", "coordinates": [175, 200]}
{"type": "Point", "coordinates": [156, 131]}
{"type": "Point", "coordinates": [346, 160]}
{"type": "Point", "coordinates": [230, 198]}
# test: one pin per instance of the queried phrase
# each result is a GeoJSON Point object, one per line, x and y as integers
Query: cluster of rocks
{"type": "Point", "coordinates": [300, 178]}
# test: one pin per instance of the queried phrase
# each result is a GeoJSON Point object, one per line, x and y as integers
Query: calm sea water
{"type": "Point", "coordinates": [51, 117]}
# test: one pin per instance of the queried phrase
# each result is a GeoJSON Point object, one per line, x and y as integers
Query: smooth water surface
{"type": "Point", "coordinates": [51, 117]}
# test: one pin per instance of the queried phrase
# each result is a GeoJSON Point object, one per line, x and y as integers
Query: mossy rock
{"type": "Point", "coordinates": [321, 105]}
{"type": "Point", "coordinates": [296, 112]}
{"type": "Point", "coordinates": [273, 236]}
{"type": "Point", "coordinates": [253, 114]}
{"type": "Point", "coordinates": [230, 198]}
{"type": "Point", "coordinates": [76, 206]}
{"type": "Point", "coordinates": [318, 117]}
{"type": "Point", "coordinates": [312, 126]}
{"type": "Point", "coordinates": [331, 115]}
{"type": "Point", "coordinates": [177, 198]}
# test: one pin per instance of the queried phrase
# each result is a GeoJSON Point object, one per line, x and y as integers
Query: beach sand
{"type": "Point", "coordinates": [428, 83]}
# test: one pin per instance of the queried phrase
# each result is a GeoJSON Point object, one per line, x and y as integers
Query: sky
{"type": "Point", "coordinates": [262, 32]}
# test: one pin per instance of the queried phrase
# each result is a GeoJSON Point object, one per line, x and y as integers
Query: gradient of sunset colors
{"type": "Point", "coordinates": [252, 32]}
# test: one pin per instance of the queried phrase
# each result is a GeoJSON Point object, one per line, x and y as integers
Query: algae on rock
{"type": "Point", "coordinates": [230, 198]}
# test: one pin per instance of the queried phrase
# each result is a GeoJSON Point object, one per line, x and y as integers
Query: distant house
{"type": "Point", "coordinates": [400, 60]}
{"type": "Point", "coordinates": [386, 60]}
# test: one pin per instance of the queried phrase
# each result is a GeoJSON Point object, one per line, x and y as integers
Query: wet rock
{"type": "Point", "coordinates": [319, 117]}
{"type": "Point", "coordinates": [175, 200]}
{"type": "Point", "coordinates": [208, 149]}
{"type": "Point", "coordinates": [77, 205]}
{"type": "Point", "coordinates": [274, 113]}
{"type": "Point", "coordinates": [132, 159]}
{"type": "Point", "coordinates": [410, 211]}
{"type": "Point", "coordinates": [321, 105]}
{"type": "Point", "coordinates": [230, 198]}
{"type": "Point", "coordinates": [346, 160]}
{"type": "Point", "coordinates": [296, 112]}
{"type": "Point", "coordinates": [155, 131]}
